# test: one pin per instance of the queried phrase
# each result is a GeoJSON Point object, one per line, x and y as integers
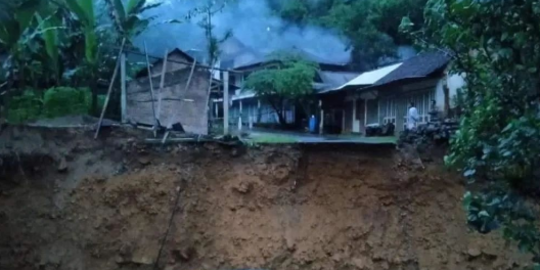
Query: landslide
{"type": "Point", "coordinates": [70, 202]}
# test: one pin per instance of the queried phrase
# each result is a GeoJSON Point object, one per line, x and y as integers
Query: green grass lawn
{"type": "Point", "coordinates": [367, 140]}
{"type": "Point", "coordinates": [273, 139]}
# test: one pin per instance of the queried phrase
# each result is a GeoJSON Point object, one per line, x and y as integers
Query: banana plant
{"type": "Point", "coordinates": [49, 27]}
{"type": "Point", "coordinates": [84, 11]}
{"type": "Point", "coordinates": [128, 18]}
{"type": "Point", "coordinates": [14, 26]}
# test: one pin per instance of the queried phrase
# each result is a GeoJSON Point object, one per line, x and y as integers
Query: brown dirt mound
{"type": "Point", "coordinates": [318, 207]}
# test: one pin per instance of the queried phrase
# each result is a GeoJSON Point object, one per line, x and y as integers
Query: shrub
{"type": "Point", "coordinates": [24, 107]}
{"type": "Point", "coordinates": [62, 101]}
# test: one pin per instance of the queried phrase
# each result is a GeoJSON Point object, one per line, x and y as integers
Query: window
{"type": "Point", "coordinates": [388, 110]}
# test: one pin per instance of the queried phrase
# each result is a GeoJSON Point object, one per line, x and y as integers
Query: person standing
{"type": "Point", "coordinates": [412, 117]}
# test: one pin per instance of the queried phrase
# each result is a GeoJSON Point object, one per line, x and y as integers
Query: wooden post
{"type": "Point", "coordinates": [226, 102]}
{"type": "Point", "coordinates": [151, 87]}
{"type": "Point", "coordinates": [115, 72]}
{"type": "Point", "coordinates": [354, 119]}
{"type": "Point", "coordinates": [162, 84]}
{"type": "Point", "coordinates": [209, 91]}
{"type": "Point", "coordinates": [259, 112]}
{"type": "Point", "coordinates": [342, 121]}
{"type": "Point", "coordinates": [123, 97]}
{"type": "Point", "coordinates": [188, 84]}
{"type": "Point", "coordinates": [379, 111]}
{"type": "Point", "coordinates": [321, 122]}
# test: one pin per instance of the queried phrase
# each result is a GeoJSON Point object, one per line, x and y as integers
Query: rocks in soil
{"type": "Point", "coordinates": [289, 241]}
{"type": "Point", "coordinates": [63, 166]}
{"type": "Point", "coordinates": [243, 187]}
{"type": "Point", "coordinates": [362, 263]}
{"type": "Point", "coordinates": [184, 254]}
{"type": "Point", "coordinates": [144, 160]}
{"type": "Point", "coordinates": [474, 252]}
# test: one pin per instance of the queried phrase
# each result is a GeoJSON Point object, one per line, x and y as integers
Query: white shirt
{"type": "Point", "coordinates": [412, 118]}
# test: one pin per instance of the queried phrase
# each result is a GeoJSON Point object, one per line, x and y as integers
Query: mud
{"type": "Point", "coordinates": [69, 202]}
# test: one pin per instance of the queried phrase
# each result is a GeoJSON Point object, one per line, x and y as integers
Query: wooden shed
{"type": "Point", "coordinates": [188, 107]}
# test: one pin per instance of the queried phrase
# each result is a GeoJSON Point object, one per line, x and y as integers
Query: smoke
{"type": "Point", "coordinates": [252, 22]}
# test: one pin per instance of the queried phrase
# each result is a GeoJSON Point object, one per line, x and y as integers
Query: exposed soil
{"type": "Point", "coordinates": [69, 202]}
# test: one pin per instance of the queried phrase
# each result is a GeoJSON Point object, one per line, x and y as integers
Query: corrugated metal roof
{"type": "Point", "coordinates": [366, 78]}
{"type": "Point", "coordinates": [371, 77]}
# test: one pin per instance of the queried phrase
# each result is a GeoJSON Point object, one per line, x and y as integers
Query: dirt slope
{"type": "Point", "coordinates": [69, 202]}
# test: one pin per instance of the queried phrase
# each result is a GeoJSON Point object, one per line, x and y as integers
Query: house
{"type": "Point", "coordinates": [382, 96]}
{"type": "Point", "coordinates": [175, 103]}
{"type": "Point", "coordinates": [246, 106]}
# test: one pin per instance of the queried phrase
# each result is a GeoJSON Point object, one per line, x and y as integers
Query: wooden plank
{"type": "Point", "coordinates": [110, 90]}
{"type": "Point", "coordinates": [123, 96]}
{"type": "Point", "coordinates": [226, 102]}
{"type": "Point", "coordinates": [162, 84]}
{"type": "Point", "coordinates": [151, 87]}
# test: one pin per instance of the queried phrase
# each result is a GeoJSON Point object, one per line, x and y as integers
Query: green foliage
{"type": "Point", "coordinates": [496, 44]}
{"type": "Point", "coordinates": [24, 107]}
{"type": "Point", "coordinates": [127, 17]}
{"type": "Point", "coordinates": [295, 11]}
{"type": "Point", "coordinates": [291, 81]}
{"type": "Point", "coordinates": [62, 101]}
{"type": "Point", "coordinates": [84, 11]}
{"type": "Point", "coordinates": [62, 42]}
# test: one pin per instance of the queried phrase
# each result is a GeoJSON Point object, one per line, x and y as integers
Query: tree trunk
{"type": "Point", "coordinates": [446, 92]}
{"type": "Point", "coordinates": [279, 112]}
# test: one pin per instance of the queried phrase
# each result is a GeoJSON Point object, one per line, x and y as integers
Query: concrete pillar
{"type": "Point", "coordinates": [123, 78]}
{"type": "Point", "coordinates": [321, 122]}
{"type": "Point", "coordinates": [240, 123]}
{"type": "Point", "coordinates": [226, 102]}
{"type": "Point", "coordinates": [259, 116]}
{"type": "Point", "coordinates": [240, 112]}
{"type": "Point", "coordinates": [365, 113]}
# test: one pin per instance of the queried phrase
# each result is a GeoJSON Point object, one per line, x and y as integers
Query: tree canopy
{"type": "Point", "coordinates": [292, 81]}
{"type": "Point", "coordinates": [371, 26]}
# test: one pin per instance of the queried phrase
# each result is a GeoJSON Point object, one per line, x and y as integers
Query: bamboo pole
{"type": "Point", "coordinates": [188, 84]}
{"type": "Point", "coordinates": [151, 87]}
{"type": "Point", "coordinates": [109, 91]}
